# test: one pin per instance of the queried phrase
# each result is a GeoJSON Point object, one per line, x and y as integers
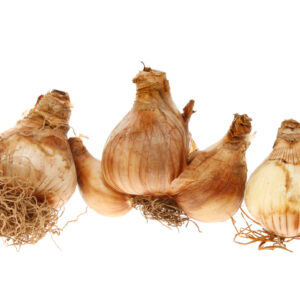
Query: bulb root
{"type": "Point", "coordinates": [267, 240]}
{"type": "Point", "coordinates": [163, 209]}
{"type": "Point", "coordinates": [24, 217]}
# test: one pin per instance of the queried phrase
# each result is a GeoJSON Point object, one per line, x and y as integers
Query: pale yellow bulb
{"type": "Point", "coordinates": [272, 197]}
{"type": "Point", "coordinates": [273, 191]}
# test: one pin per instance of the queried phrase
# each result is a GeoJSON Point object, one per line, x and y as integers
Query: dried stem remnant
{"type": "Point", "coordinates": [162, 209]}
{"type": "Point", "coordinates": [267, 240]}
{"type": "Point", "coordinates": [24, 219]}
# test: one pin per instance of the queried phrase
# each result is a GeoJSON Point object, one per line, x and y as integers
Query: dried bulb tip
{"type": "Point", "coordinates": [149, 77]}
{"type": "Point", "coordinates": [60, 94]}
{"type": "Point", "coordinates": [289, 131]}
{"type": "Point", "coordinates": [146, 69]}
{"type": "Point", "coordinates": [290, 124]}
{"type": "Point", "coordinates": [188, 111]}
{"type": "Point", "coordinates": [241, 125]}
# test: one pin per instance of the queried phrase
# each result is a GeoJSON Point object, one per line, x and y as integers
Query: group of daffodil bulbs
{"type": "Point", "coordinates": [149, 162]}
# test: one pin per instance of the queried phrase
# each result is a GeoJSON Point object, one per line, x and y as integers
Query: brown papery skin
{"type": "Point", "coordinates": [96, 193]}
{"type": "Point", "coordinates": [211, 188]}
{"type": "Point", "coordinates": [37, 149]}
{"type": "Point", "coordinates": [287, 145]}
{"type": "Point", "coordinates": [148, 148]}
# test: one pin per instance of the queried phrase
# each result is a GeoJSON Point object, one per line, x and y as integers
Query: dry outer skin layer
{"type": "Point", "coordinates": [273, 194]}
{"type": "Point", "coordinates": [211, 188]}
{"type": "Point", "coordinates": [94, 190]}
{"type": "Point", "coordinates": [287, 145]}
{"type": "Point", "coordinates": [144, 153]}
{"type": "Point", "coordinates": [149, 147]}
{"type": "Point", "coordinates": [37, 170]}
{"type": "Point", "coordinates": [206, 190]}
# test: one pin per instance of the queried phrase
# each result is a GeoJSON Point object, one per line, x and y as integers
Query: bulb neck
{"type": "Point", "coordinates": [149, 79]}
{"type": "Point", "coordinates": [240, 127]}
{"type": "Point", "coordinates": [289, 131]}
{"type": "Point", "coordinates": [153, 92]}
{"type": "Point", "coordinates": [150, 82]}
{"type": "Point", "coordinates": [238, 135]}
{"type": "Point", "coordinates": [287, 145]}
{"type": "Point", "coordinates": [51, 110]}
{"type": "Point", "coordinates": [147, 100]}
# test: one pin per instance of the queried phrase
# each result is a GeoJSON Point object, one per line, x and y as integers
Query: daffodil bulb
{"type": "Point", "coordinates": [95, 191]}
{"type": "Point", "coordinates": [272, 193]}
{"type": "Point", "coordinates": [212, 187]}
{"type": "Point", "coordinates": [37, 171]}
{"type": "Point", "coordinates": [148, 149]}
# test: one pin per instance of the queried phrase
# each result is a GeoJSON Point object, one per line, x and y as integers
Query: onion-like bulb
{"type": "Point", "coordinates": [272, 193]}
{"type": "Point", "coordinates": [37, 172]}
{"type": "Point", "coordinates": [148, 149]}
{"type": "Point", "coordinates": [94, 190]}
{"type": "Point", "coordinates": [211, 188]}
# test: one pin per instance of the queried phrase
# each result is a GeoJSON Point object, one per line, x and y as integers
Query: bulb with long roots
{"type": "Point", "coordinates": [37, 172]}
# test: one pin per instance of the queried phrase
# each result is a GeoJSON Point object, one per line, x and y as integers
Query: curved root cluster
{"type": "Point", "coordinates": [162, 209]}
{"type": "Point", "coordinates": [24, 219]}
{"type": "Point", "coordinates": [267, 240]}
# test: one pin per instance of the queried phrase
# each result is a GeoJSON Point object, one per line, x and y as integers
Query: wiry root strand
{"type": "Point", "coordinates": [24, 218]}
{"type": "Point", "coordinates": [267, 240]}
{"type": "Point", "coordinates": [162, 209]}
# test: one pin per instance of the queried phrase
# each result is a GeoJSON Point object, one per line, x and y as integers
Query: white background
{"type": "Point", "coordinates": [230, 56]}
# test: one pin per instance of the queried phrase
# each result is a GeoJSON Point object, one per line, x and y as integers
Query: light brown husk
{"type": "Point", "coordinates": [145, 152]}
{"type": "Point", "coordinates": [37, 172]}
{"type": "Point", "coordinates": [95, 191]}
{"type": "Point", "coordinates": [272, 194]}
{"type": "Point", "coordinates": [148, 149]}
{"type": "Point", "coordinates": [212, 186]}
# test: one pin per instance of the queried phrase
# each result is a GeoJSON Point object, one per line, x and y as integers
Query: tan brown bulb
{"type": "Point", "coordinates": [94, 190]}
{"type": "Point", "coordinates": [148, 148]}
{"type": "Point", "coordinates": [211, 188]}
{"type": "Point", "coordinates": [37, 172]}
{"type": "Point", "coordinates": [272, 194]}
